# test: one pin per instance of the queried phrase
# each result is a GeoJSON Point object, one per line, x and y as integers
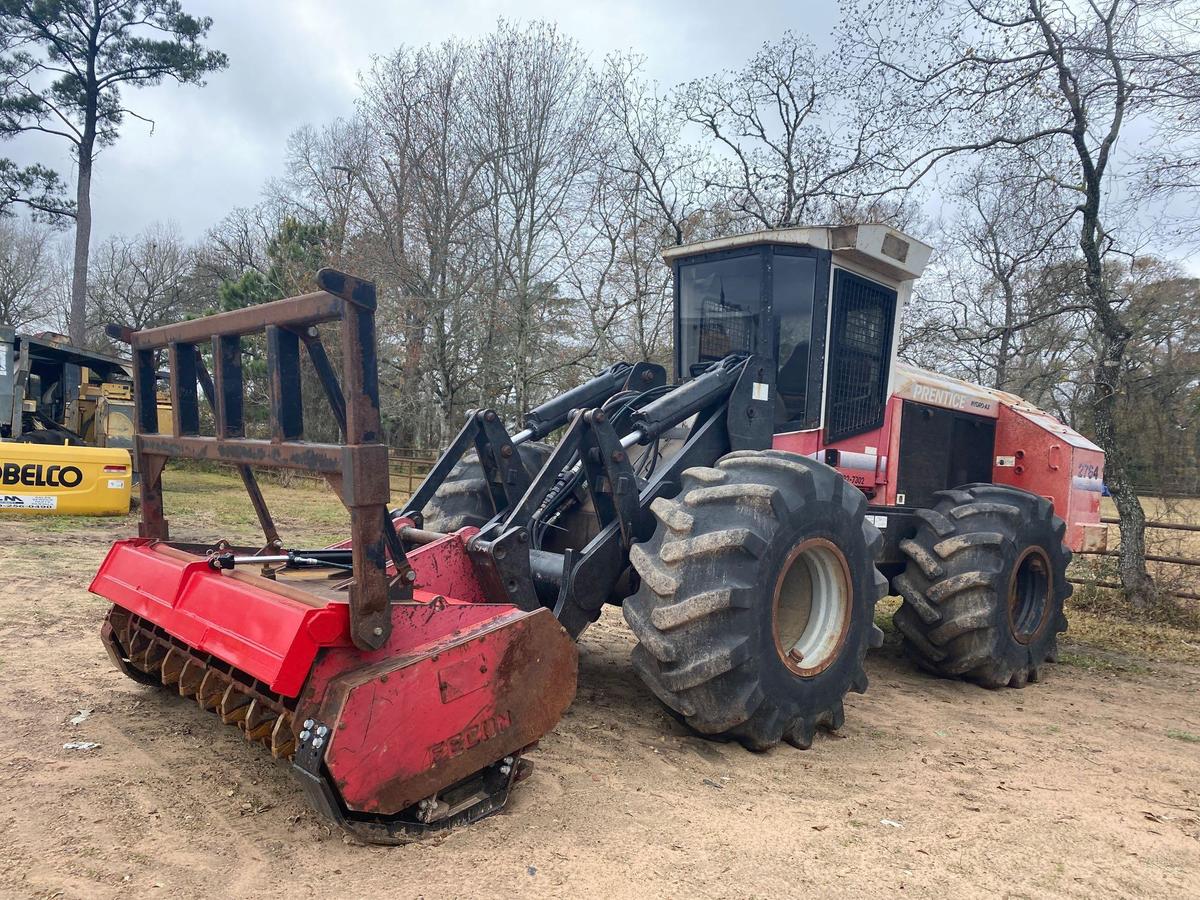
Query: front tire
{"type": "Point", "coordinates": [984, 586]}
{"type": "Point", "coordinates": [757, 598]}
{"type": "Point", "coordinates": [464, 498]}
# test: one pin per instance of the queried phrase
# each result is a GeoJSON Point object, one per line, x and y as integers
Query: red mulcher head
{"type": "Point", "coordinates": [423, 733]}
{"type": "Point", "coordinates": [401, 696]}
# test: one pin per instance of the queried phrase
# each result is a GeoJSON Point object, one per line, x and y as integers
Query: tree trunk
{"type": "Point", "coordinates": [1108, 374]}
{"type": "Point", "coordinates": [83, 238]}
{"type": "Point", "coordinates": [1131, 564]}
{"type": "Point", "coordinates": [1005, 337]}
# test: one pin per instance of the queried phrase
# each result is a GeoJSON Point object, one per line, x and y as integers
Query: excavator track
{"type": "Point", "coordinates": [148, 654]}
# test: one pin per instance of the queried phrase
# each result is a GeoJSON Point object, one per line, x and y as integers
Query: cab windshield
{"type": "Point", "coordinates": [724, 309]}
{"type": "Point", "coordinates": [720, 309]}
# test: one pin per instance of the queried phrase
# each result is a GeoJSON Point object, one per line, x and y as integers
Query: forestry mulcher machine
{"type": "Point", "coordinates": [747, 518]}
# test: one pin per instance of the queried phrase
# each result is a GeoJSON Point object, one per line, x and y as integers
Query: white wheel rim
{"type": "Point", "coordinates": [812, 607]}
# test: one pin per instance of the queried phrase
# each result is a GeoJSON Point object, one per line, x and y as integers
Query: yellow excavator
{"type": "Point", "coordinates": [66, 428]}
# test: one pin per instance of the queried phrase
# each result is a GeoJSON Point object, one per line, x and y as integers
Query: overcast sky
{"type": "Point", "coordinates": [293, 62]}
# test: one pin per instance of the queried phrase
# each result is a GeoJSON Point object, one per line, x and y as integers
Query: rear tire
{"type": "Point", "coordinates": [757, 597]}
{"type": "Point", "coordinates": [984, 586]}
{"type": "Point", "coordinates": [464, 498]}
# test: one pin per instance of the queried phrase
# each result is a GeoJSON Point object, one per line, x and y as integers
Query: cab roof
{"type": "Point", "coordinates": [892, 253]}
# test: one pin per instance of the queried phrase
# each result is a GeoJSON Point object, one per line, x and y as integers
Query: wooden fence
{"type": "Point", "coordinates": [408, 467]}
{"type": "Point", "coordinates": [1150, 557]}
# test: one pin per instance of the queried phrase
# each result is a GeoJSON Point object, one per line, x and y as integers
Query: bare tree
{"type": "Point", "coordinates": [144, 281]}
{"type": "Point", "coordinates": [26, 272]}
{"type": "Point", "coordinates": [316, 186]}
{"type": "Point", "coordinates": [997, 285]}
{"type": "Point", "coordinates": [238, 244]}
{"type": "Point", "coordinates": [1017, 76]}
{"type": "Point", "coordinates": [421, 179]}
{"type": "Point", "coordinates": [619, 276]}
{"type": "Point", "coordinates": [531, 91]}
{"type": "Point", "coordinates": [478, 187]}
{"type": "Point", "coordinates": [650, 147]}
{"type": "Point", "coordinates": [794, 140]}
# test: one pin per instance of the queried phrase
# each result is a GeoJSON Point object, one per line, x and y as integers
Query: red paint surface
{"type": "Point", "coordinates": [1053, 461]}
{"type": "Point", "coordinates": [874, 481]}
{"type": "Point", "coordinates": [270, 636]}
{"type": "Point", "coordinates": [456, 688]}
{"type": "Point", "coordinates": [266, 634]}
{"type": "Point", "coordinates": [460, 684]}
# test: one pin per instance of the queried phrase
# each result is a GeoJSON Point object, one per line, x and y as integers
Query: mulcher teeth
{"type": "Point", "coordinates": [283, 742]}
{"type": "Point", "coordinates": [233, 705]}
{"type": "Point", "coordinates": [211, 689]}
{"type": "Point", "coordinates": [261, 714]}
{"type": "Point", "coordinates": [172, 666]}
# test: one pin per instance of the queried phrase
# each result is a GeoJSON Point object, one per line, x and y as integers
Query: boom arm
{"type": "Point", "coordinates": [727, 407]}
{"type": "Point", "coordinates": [502, 466]}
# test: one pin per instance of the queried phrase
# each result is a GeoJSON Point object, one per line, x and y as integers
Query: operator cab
{"type": "Point", "coordinates": [823, 302]}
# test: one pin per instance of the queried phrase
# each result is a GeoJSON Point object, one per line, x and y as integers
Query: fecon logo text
{"type": "Point", "coordinates": [37, 475]}
{"type": "Point", "coordinates": [470, 736]}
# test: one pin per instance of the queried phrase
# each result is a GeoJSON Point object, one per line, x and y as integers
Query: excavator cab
{"type": "Point", "coordinates": [823, 303]}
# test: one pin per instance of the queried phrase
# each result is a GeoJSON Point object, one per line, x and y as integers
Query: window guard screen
{"type": "Point", "coordinates": [724, 328]}
{"type": "Point", "coordinates": [860, 349]}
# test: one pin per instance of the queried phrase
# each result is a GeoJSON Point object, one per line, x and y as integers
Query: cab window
{"type": "Point", "coordinates": [720, 309]}
{"type": "Point", "coordinates": [792, 291]}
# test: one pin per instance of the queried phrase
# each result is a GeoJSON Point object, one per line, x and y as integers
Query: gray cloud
{"type": "Point", "coordinates": [296, 61]}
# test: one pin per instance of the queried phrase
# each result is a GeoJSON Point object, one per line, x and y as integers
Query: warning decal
{"type": "Point", "coordinates": [27, 501]}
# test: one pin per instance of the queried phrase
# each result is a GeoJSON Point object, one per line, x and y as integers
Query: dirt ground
{"type": "Point", "coordinates": [1085, 784]}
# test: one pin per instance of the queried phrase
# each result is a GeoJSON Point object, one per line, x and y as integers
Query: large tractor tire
{"type": "Point", "coordinates": [464, 498]}
{"type": "Point", "coordinates": [757, 598]}
{"type": "Point", "coordinates": [984, 586]}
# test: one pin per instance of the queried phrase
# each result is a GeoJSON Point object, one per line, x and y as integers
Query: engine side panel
{"type": "Point", "coordinates": [940, 428]}
{"type": "Point", "coordinates": [1037, 453]}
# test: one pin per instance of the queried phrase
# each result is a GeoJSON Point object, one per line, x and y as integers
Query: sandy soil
{"type": "Point", "coordinates": [1086, 784]}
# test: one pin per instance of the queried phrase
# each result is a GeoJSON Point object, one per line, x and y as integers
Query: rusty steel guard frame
{"type": "Point", "coordinates": [356, 469]}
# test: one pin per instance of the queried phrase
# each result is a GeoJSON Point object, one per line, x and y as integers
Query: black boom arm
{"type": "Point", "coordinates": [485, 433]}
{"type": "Point", "coordinates": [727, 407]}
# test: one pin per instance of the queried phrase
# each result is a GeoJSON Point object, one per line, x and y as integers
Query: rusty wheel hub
{"type": "Point", "coordinates": [1029, 594]}
{"type": "Point", "coordinates": [813, 599]}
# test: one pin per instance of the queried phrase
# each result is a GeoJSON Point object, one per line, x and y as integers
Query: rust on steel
{"type": "Point", "coordinates": [248, 451]}
{"type": "Point", "coordinates": [357, 467]}
{"type": "Point", "coordinates": [307, 309]}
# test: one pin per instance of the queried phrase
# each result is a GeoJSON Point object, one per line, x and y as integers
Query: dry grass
{"type": "Point", "coordinates": [1142, 639]}
{"type": "Point", "coordinates": [1101, 642]}
{"type": "Point", "coordinates": [1107, 606]}
{"type": "Point", "coordinates": [204, 504]}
